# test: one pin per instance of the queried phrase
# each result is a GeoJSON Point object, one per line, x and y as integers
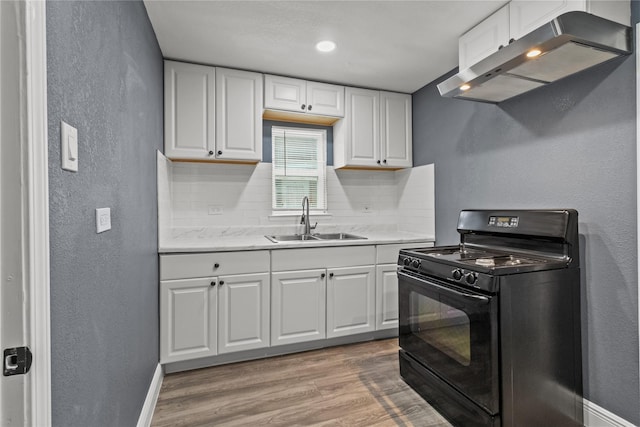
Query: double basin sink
{"type": "Point", "coordinates": [313, 237]}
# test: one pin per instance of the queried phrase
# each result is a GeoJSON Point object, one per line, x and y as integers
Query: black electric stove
{"type": "Point", "coordinates": [490, 328]}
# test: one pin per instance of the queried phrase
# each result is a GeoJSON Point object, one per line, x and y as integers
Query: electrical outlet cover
{"type": "Point", "coordinates": [103, 219]}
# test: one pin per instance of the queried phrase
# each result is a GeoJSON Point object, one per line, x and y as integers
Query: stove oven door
{"type": "Point", "coordinates": [452, 332]}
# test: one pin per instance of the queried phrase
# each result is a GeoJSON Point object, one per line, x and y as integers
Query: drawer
{"type": "Point", "coordinates": [388, 254]}
{"type": "Point", "coordinates": [185, 266]}
{"type": "Point", "coordinates": [303, 259]}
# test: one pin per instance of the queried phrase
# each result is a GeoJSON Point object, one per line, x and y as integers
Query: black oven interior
{"type": "Point", "coordinates": [490, 329]}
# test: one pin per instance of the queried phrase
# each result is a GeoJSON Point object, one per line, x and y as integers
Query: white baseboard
{"type": "Point", "coordinates": [152, 397]}
{"type": "Point", "coordinates": [596, 416]}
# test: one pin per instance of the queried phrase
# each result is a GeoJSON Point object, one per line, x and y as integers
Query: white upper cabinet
{"type": "Point", "coordinates": [520, 17]}
{"type": "Point", "coordinates": [301, 96]}
{"type": "Point", "coordinates": [396, 142]}
{"type": "Point", "coordinates": [212, 113]}
{"type": "Point", "coordinates": [375, 132]}
{"type": "Point", "coordinates": [484, 39]}
{"type": "Point", "coordinates": [238, 115]}
{"type": "Point", "coordinates": [189, 110]}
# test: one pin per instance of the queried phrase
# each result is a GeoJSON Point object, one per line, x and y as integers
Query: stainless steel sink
{"type": "Point", "coordinates": [291, 238]}
{"type": "Point", "coordinates": [313, 237]}
{"type": "Point", "coordinates": [338, 236]}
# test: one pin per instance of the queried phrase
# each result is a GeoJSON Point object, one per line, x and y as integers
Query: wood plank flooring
{"type": "Point", "coordinates": [353, 385]}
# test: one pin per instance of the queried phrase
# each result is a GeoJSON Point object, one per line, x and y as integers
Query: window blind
{"type": "Point", "coordinates": [298, 168]}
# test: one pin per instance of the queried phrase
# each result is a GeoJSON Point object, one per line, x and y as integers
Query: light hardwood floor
{"type": "Point", "coordinates": [353, 385]}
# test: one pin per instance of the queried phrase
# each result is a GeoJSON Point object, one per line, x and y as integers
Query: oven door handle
{"type": "Point", "coordinates": [478, 298]}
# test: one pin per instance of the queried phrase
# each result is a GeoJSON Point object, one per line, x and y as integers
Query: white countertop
{"type": "Point", "coordinates": [201, 241]}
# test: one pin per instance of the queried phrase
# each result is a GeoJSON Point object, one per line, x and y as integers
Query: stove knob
{"type": "Point", "coordinates": [415, 263]}
{"type": "Point", "coordinates": [471, 278]}
{"type": "Point", "coordinates": [457, 274]}
{"type": "Point", "coordinates": [406, 261]}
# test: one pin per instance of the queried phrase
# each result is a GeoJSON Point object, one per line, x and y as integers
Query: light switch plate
{"type": "Point", "coordinates": [103, 219]}
{"type": "Point", "coordinates": [69, 147]}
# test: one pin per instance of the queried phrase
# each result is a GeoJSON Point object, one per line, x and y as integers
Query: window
{"type": "Point", "coordinates": [298, 157]}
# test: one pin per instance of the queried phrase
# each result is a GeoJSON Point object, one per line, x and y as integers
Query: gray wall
{"type": "Point", "coordinates": [571, 144]}
{"type": "Point", "coordinates": [105, 78]}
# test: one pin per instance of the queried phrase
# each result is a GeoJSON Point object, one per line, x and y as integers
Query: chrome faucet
{"type": "Point", "coordinates": [306, 219]}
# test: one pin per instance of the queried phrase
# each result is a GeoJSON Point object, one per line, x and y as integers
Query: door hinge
{"type": "Point", "coordinates": [17, 361]}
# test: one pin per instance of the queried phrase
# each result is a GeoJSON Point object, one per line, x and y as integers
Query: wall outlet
{"type": "Point", "coordinates": [216, 210]}
{"type": "Point", "coordinates": [103, 219]}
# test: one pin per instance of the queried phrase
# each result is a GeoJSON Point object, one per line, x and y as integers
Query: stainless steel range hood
{"type": "Point", "coordinates": [570, 43]}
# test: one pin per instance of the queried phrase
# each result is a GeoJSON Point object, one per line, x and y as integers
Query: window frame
{"type": "Point", "coordinates": [321, 174]}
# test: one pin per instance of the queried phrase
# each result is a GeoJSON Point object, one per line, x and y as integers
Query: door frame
{"type": "Point", "coordinates": [34, 142]}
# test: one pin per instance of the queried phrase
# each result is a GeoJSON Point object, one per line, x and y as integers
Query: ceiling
{"type": "Point", "coordinates": [391, 45]}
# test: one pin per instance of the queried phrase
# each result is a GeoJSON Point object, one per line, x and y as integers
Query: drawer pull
{"type": "Point", "coordinates": [216, 265]}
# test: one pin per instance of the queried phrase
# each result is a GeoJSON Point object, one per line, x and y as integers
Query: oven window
{"type": "Point", "coordinates": [441, 326]}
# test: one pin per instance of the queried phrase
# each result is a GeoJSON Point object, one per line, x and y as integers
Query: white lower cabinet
{"type": "Point", "coordinates": [229, 302]}
{"type": "Point", "coordinates": [205, 314]}
{"type": "Point", "coordinates": [386, 296]}
{"type": "Point", "coordinates": [298, 306]}
{"type": "Point", "coordinates": [243, 312]}
{"type": "Point", "coordinates": [188, 319]}
{"type": "Point", "coordinates": [351, 301]}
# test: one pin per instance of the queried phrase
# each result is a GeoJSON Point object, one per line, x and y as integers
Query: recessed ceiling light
{"type": "Point", "coordinates": [465, 87]}
{"type": "Point", "coordinates": [533, 53]}
{"type": "Point", "coordinates": [326, 46]}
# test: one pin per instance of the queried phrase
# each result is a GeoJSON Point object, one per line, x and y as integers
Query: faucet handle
{"type": "Point", "coordinates": [314, 226]}
{"type": "Point", "coordinates": [302, 219]}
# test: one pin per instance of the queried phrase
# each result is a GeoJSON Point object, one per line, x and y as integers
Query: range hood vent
{"type": "Point", "coordinates": [570, 43]}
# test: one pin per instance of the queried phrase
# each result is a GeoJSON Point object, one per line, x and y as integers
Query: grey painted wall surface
{"type": "Point", "coordinates": [571, 144]}
{"type": "Point", "coordinates": [105, 78]}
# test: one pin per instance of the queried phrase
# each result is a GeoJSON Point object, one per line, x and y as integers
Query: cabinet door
{"type": "Point", "coordinates": [484, 39]}
{"type": "Point", "coordinates": [386, 296]}
{"type": "Point", "coordinates": [350, 301]}
{"type": "Point", "coordinates": [285, 93]}
{"type": "Point", "coordinates": [298, 306]}
{"type": "Point", "coordinates": [325, 99]}
{"type": "Point", "coordinates": [526, 15]}
{"type": "Point", "coordinates": [243, 322]}
{"type": "Point", "coordinates": [188, 319]}
{"type": "Point", "coordinates": [362, 114]}
{"type": "Point", "coordinates": [189, 110]}
{"type": "Point", "coordinates": [395, 130]}
{"type": "Point", "coordinates": [238, 115]}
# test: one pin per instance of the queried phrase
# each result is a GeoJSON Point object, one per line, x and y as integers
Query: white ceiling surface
{"type": "Point", "coordinates": [391, 45]}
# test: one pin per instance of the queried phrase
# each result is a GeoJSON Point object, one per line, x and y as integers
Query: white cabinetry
{"type": "Point", "coordinates": [208, 305]}
{"type": "Point", "coordinates": [375, 132]}
{"type": "Point", "coordinates": [189, 110]}
{"type": "Point", "coordinates": [520, 17]}
{"type": "Point", "coordinates": [301, 96]}
{"type": "Point", "coordinates": [238, 115]}
{"type": "Point", "coordinates": [212, 113]}
{"type": "Point", "coordinates": [188, 319]}
{"type": "Point", "coordinates": [298, 306]}
{"type": "Point", "coordinates": [526, 15]}
{"type": "Point", "coordinates": [387, 283]}
{"type": "Point", "coordinates": [484, 39]}
{"type": "Point", "coordinates": [350, 300]}
{"type": "Point", "coordinates": [309, 282]}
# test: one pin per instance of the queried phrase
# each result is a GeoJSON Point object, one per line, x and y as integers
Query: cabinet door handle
{"type": "Point", "coordinates": [211, 153]}
{"type": "Point", "coordinates": [309, 107]}
{"type": "Point", "coordinates": [322, 276]}
{"type": "Point", "coordinates": [221, 282]}
{"type": "Point", "coordinates": [384, 161]}
{"type": "Point", "coordinates": [378, 162]}
{"type": "Point", "coordinates": [302, 106]}
{"type": "Point", "coordinates": [216, 265]}
{"type": "Point", "coordinates": [511, 40]}
{"type": "Point", "coordinates": [330, 275]}
{"type": "Point", "coordinates": [219, 152]}
{"type": "Point", "coordinates": [213, 283]}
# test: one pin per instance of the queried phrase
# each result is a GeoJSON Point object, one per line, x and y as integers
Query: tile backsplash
{"type": "Point", "coordinates": [215, 195]}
